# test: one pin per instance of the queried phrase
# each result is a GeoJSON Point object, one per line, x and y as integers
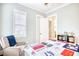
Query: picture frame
{"type": "Point", "coordinates": [71, 39]}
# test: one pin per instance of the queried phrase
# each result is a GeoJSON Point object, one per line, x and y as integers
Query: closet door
{"type": "Point", "coordinates": [44, 29]}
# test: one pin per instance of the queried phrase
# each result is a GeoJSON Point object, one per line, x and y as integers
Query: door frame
{"type": "Point", "coordinates": [56, 23]}
{"type": "Point", "coordinates": [38, 28]}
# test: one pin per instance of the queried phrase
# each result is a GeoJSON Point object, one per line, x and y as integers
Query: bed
{"type": "Point", "coordinates": [52, 48]}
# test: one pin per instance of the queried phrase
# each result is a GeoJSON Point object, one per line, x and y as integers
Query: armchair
{"type": "Point", "coordinates": [11, 47]}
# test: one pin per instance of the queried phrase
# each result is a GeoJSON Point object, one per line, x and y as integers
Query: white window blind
{"type": "Point", "coordinates": [19, 23]}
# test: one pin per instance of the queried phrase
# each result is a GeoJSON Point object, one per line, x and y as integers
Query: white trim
{"type": "Point", "coordinates": [52, 10]}
{"type": "Point", "coordinates": [52, 15]}
{"type": "Point", "coordinates": [39, 11]}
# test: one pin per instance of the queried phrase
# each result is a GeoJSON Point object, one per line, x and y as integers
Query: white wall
{"type": "Point", "coordinates": [68, 19]}
{"type": "Point", "coordinates": [7, 14]}
{"type": "Point", "coordinates": [6, 20]}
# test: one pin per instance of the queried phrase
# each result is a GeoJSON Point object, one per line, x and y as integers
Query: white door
{"type": "Point", "coordinates": [44, 29]}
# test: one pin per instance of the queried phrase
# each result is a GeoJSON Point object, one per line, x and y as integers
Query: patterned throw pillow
{"type": "Point", "coordinates": [12, 40]}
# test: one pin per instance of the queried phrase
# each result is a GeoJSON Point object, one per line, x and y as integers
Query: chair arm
{"type": "Point", "coordinates": [20, 43]}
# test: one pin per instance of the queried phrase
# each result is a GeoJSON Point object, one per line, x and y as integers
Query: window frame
{"type": "Point", "coordinates": [16, 11]}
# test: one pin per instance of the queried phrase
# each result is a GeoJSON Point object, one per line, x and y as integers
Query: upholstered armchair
{"type": "Point", "coordinates": [11, 47]}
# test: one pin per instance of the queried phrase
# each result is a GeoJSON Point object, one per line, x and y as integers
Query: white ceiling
{"type": "Point", "coordinates": [45, 8]}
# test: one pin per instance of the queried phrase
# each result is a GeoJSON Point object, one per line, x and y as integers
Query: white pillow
{"type": "Point", "coordinates": [4, 42]}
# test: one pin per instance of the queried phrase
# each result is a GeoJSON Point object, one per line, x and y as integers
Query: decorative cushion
{"type": "Point", "coordinates": [4, 42]}
{"type": "Point", "coordinates": [11, 39]}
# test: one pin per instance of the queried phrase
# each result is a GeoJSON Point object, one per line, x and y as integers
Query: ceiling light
{"type": "Point", "coordinates": [45, 4]}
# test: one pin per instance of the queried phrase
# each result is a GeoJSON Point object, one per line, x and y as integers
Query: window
{"type": "Point", "coordinates": [19, 23]}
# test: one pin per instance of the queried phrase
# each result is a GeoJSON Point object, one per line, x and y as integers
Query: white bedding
{"type": "Point", "coordinates": [56, 49]}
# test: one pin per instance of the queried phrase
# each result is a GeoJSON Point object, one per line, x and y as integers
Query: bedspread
{"type": "Point", "coordinates": [49, 48]}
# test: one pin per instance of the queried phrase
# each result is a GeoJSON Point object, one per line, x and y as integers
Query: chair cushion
{"type": "Point", "coordinates": [11, 39]}
{"type": "Point", "coordinates": [11, 51]}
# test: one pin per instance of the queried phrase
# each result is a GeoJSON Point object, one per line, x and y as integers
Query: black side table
{"type": "Point", "coordinates": [61, 38]}
{"type": "Point", "coordinates": [71, 39]}
{"type": "Point", "coordinates": [66, 38]}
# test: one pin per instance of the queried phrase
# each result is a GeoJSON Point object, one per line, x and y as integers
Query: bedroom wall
{"type": "Point", "coordinates": [7, 10]}
{"type": "Point", "coordinates": [68, 19]}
